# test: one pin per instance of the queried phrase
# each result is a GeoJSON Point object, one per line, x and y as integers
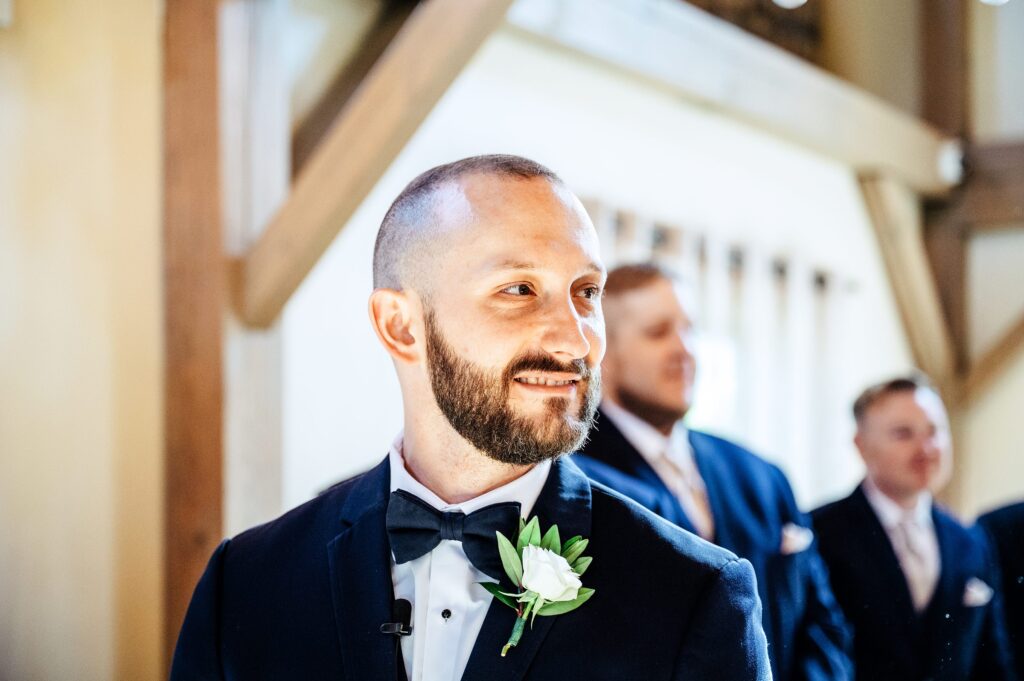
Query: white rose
{"type": "Point", "coordinates": [548, 574]}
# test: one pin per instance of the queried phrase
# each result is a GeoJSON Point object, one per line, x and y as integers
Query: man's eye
{"type": "Point", "coordinates": [517, 290]}
{"type": "Point", "coordinates": [591, 292]}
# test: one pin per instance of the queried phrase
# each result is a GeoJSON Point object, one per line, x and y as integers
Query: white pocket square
{"type": "Point", "coordinates": [795, 539]}
{"type": "Point", "coordinates": [977, 593]}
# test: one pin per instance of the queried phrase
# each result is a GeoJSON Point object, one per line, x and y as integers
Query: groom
{"type": "Point", "coordinates": [488, 298]}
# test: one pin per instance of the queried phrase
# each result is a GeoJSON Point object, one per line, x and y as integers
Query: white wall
{"type": "Point", "coordinates": [611, 137]}
{"type": "Point", "coordinates": [80, 341]}
{"type": "Point", "coordinates": [995, 74]}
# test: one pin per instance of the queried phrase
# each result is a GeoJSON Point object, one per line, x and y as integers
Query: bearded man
{"type": "Point", "coordinates": [487, 297]}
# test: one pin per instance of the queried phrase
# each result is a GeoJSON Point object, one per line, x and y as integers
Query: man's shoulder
{"type": "Point", "coordinates": [640, 534]}
{"type": "Point", "coordinates": [742, 466]}
{"type": "Point", "coordinates": [834, 513]}
{"type": "Point", "coordinates": [1006, 520]}
{"type": "Point", "coordinates": [311, 524]}
{"type": "Point", "coordinates": [735, 453]}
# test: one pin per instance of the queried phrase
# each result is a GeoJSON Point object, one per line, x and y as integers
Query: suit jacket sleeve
{"type": "Point", "coordinates": [726, 641]}
{"type": "Point", "coordinates": [824, 644]}
{"type": "Point", "coordinates": [197, 654]}
{"type": "Point", "coordinates": [993, 661]}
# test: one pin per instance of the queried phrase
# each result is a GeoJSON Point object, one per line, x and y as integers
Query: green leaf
{"type": "Point", "coordinates": [576, 551]}
{"type": "Point", "coordinates": [563, 607]}
{"type": "Point", "coordinates": [529, 536]}
{"type": "Point", "coordinates": [522, 526]}
{"type": "Point", "coordinates": [494, 590]}
{"type": "Point", "coordinates": [569, 544]}
{"type": "Point", "coordinates": [536, 607]}
{"type": "Point", "coordinates": [551, 540]}
{"type": "Point", "coordinates": [510, 559]}
{"type": "Point", "coordinates": [581, 564]}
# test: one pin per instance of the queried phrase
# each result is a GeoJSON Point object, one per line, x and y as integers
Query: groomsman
{"type": "Point", "coordinates": [1005, 527]}
{"type": "Point", "coordinates": [916, 585]}
{"type": "Point", "coordinates": [707, 485]}
{"type": "Point", "coordinates": [487, 297]}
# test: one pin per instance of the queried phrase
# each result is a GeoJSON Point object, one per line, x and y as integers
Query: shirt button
{"type": "Point", "coordinates": [446, 614]}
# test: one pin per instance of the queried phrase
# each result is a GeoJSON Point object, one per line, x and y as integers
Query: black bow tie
{"type": "Point", "coordinates": [415, 528]}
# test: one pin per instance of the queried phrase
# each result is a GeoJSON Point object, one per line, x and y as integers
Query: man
{"type": "Point", "coordinates": [915, 584]}
{"type": "Point", "coordinates": [488, 299]}
{"type": "Point", "coordinates": [1005, 528]}
{"type": "Point", "coordinates": [705, 484]}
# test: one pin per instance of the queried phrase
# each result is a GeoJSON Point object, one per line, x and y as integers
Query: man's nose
{"type": "Point", "coordinates": [564, 336]}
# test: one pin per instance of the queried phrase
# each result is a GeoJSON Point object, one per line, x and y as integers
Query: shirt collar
{"type": "Point", "coordinates": [890, 513]}
{"type": "Point", "coordinates": [525, 489]}
{"type": "Point", "coordinates": [647, 439]}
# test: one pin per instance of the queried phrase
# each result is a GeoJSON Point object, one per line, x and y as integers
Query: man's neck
{"type": "Point", "coordinates": [450, 467]}
{"type": "Point", "coordinates": [908, 501]}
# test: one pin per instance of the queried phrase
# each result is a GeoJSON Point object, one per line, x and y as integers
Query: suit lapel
{"type": "Point", "coordinates": [361, 587]}
{"type": "Point", "coordinates": [565, 500]}
{"type": "Point", "coordinates": [717, 489]}
{"type": "Point", "coordinates": [948, 590]}
{"type": "Point", "coordinates": [891, 588]}
{"type": "Point", "coordinates": [619, 452]}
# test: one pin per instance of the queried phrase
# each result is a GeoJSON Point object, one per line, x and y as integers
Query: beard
{"type": "Point", "coordinates": [663, 418]}
{"type": "Point", "coordinates": [476, 403]}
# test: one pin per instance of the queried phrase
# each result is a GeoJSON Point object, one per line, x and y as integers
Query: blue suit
{"type": "Point", "coordinates": [1005, 527]}
{"type": "Point", "coordinates": [750, 501]}
{"type": "Point", "coordinates": [951, 640]}
{"type": "Point", "coordinates": [303, 597]}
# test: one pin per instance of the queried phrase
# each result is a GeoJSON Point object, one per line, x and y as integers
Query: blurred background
{"type": "Point", "coordinates": [190, 189]}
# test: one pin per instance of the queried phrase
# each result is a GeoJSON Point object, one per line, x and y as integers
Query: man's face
{"type": "Point", "coordinates": [650, 367]}
{"type": "Point", "coordinates": [514, 330]}
{"type": "Point", "coordinates": [905, 443]}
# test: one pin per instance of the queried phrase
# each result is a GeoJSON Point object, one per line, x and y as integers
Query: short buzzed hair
{"type": "Point", "coordinates": [407, 224]}
{"type": "Point", "coordinates": [910, 383]}
{"type": "Point", "coordinates": [626, 278]}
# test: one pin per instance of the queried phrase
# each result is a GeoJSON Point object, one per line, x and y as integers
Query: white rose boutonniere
{"type": "Point", "coordinates": [547, 571]}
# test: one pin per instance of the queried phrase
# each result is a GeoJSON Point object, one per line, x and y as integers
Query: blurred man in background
{"type": "Point", "coordinates": [1005, 528]}
{"type": "Point", "coordinates": [707, 485]}
{"type": "Point", "coordinates": [915, 584]}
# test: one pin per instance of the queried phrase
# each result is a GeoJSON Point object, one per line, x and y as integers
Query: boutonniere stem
{"type": "Point", "coordinates": [545, 570]}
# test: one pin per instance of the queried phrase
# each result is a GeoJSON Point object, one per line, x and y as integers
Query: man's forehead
{"type": "Point", "coordinates": [910, 404]}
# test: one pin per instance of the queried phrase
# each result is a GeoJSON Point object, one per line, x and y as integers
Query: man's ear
{"type": "Point", "coordinates": [392, 316]}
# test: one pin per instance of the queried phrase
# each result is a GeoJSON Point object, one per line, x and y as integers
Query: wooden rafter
{"type": "Point", "coordinates": [995, 361]}
{"type": "Point", "coordinates": [944, 65]}
{"type": "Point", "coordinates": [317, 122]}
{"type": "Point", "coordinates": [426, 55]}
{"type": "Point", "coordinates": [193, 302]}
{"type": "Point", "coordinates": [895, 215]}
{"type": "Point", "coordinates": [714, 64]}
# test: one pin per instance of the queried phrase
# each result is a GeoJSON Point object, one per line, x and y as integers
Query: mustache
{"type": "Point", "coordinates": [537, 361]}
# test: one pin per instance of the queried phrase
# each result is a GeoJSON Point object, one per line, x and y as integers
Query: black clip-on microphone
{"type": "Point", "coordinates": [401, 612]}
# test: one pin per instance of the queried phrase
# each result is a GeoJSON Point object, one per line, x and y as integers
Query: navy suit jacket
{"type": "Point", "coordinates": [1005, 527]}
{"type": "Point", "coordinates": [949, 641]}
{"type": "Point", "coordinates": [751, 501]}
{"type": "Point", "coordinates": [303, 597]}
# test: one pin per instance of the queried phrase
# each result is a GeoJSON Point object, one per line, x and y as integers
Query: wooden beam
{"type": "Point", "coordinates": [995, 361]}
{"type": "Point", "coordinates": [944, 65]}
{"type": "Point", "coordinates": [256, 176]}
{"type": "Point", "coordinates": [994, 193]}
{"type": "Point", "coordinates": [946, 247]}
{"type": "Point", "coordinates": [699, 57]}
{"type": "Point", "coordinates": [430, 50]}
{"type": "Point", "coordinates": [193, 302]}
{"type": "Point", "coordinates": [317, 122]}
{"type": "Point", "coordinates": [896, 217]}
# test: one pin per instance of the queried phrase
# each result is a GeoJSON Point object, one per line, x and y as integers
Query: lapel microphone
{"type": "Point", "coordinates": [401, 613]}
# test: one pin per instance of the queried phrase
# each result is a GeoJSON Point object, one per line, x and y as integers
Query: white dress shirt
{"type": "Point", "coordinates": [912, 535]}
{"type": "Point", "coordinates": [672, 459]}
{"type": "Point", "coordinates": [444, 582]}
